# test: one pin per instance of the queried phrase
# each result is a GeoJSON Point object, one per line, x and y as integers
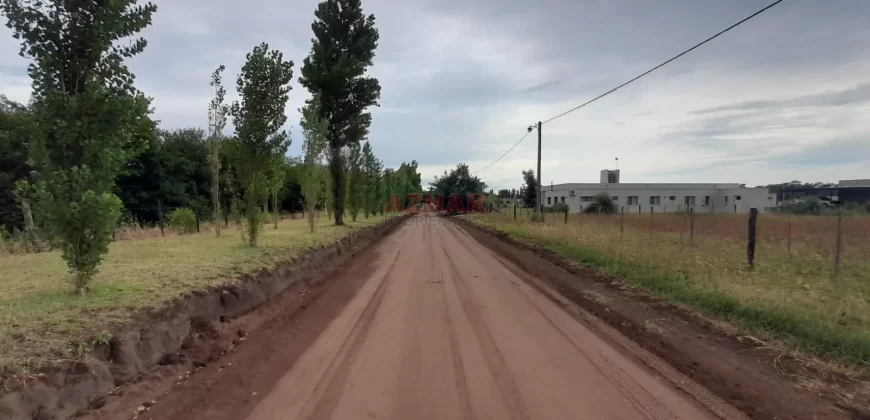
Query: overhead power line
{"type": "Point", "coordinates": [503, 154]}
{"type": "Point", "coordinates": [636, 78]}
{"type": "Point", "coordinates": [666, 62]}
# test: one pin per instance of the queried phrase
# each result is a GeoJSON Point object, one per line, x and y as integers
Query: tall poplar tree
{"type": "Point", "coordinates": [342, 49]}
{"type": "Point", "coordinates": [264, 88]}
{"type": "Point", "coordinates": [217, 120]}
{"type": "Point", "coordinates": [372, 168]}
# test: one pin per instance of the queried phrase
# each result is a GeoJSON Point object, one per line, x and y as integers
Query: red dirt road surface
{"type": "Point", "coordinates": [444, 329]}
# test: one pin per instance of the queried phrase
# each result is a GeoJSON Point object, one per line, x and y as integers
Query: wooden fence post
{"type": "Point", "coordinates": [160, 215]}
{"type": "Point", "coordinates": [515, 211]}
{"type": "Point", "coordinates": [651, 211]}
{"type": "Point", "coordinates": [598, 221]}
{"type": "Point", "coordinates": [682, 225]}
{"type": "Point", "coordinates": [566, 215]}
{"type": "Point", "coordinates": [750, 246]}
{"type": "Point", "coordinates": [691, 225]}
{"type": "Point", "coordinates": [621, 222]}
{"type": "Point", "coordinates": [789, 235]}
{"type": "Point", "coordinates": [839, 244]}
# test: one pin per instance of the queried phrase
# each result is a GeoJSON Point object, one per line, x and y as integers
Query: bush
{"type": "Point", "coordinates": [19, 242]}
{"type": "Point", "coordinates": [182, 220]}
{"type": "Point", "coordinates": [603, 204]}
{"type": "Point", "coordinates": [808, 205]}
{"type": "Point", "coordinates": [265, 218]}
{"type": "Point", "coordinates": [7, 246]}
{"type": "Point", "coordinates": [560, 207]}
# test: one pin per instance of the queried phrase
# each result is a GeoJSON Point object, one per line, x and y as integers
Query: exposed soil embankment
{"type": "Point", "coordinates": [743, 371]}
{"type": "Point", "coordinates": [189, 333]}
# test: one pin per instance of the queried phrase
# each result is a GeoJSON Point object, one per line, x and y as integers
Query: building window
{"type": "Point", "coordinates": [707, 200]}
{"type": "Point", "coordinates": [563, 199]}
{"type": "Point", "coordinates": [632, 200]}
{"type": "Point", "coordinates": [737, 197]}
{"type": "Point", "coordinates": [548, 200]}
{"type": "Point", "coordinates": [614, 198]}
{"type": "Point", "coordinates": [726, 199]}
{"type": "Point", "coordinates": [690, 201]}
{"type": "Point", "coordinates": [673, 198]}
{"type": "Point", "coordinates": [655, 200]}
{"type": "Point", "coordinates": [587, 199]}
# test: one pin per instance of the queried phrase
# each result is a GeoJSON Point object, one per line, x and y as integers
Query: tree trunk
{"type": "Point", "coordinates": [216, 193]}
{"type": "Point", "coordinates": [275, 207]}
{"type": "Point", "coordinates": [217, 218]}
{"type": "Point", "coordinates": [31, 236]}
{"type": "Point", "coordinates": [252, 213]}
{"type": "Point", "coordinates": [160, 215]}
{"type": "Point", "coordinates": [339, 186]}
{"type": "Point", "coordinates": [80, 287]}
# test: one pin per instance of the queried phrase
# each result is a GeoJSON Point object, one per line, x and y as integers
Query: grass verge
{"type": "Point", "coordinates": [780, 299]}
{"type": "Point", "coordinates": [40, 316]}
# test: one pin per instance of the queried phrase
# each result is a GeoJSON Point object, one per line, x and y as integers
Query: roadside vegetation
{"type": "Point", "coordinates": [39, 316]}
{"type": "Point", "coordinates": [794, 295]}
{"type": "Point", "coordinates": [104, 213]}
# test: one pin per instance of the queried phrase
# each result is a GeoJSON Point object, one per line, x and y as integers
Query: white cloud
{"type": "Point", "coordinates": [462, 80]}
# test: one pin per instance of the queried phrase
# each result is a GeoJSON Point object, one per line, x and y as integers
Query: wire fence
{"type": "Point", "coordinates": [24, 242]}
{"type": "Point", "coordinates": [835, 245]}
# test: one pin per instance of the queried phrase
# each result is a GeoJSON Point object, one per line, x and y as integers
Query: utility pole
{"type": "Point", "coordinates": [540, 198]}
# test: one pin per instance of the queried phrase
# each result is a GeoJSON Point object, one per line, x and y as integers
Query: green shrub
{"type": "Point", "coordinates": [807, 205]}
{"type": "Point", "coordinates": [182, 220]}
{"type": "Point", "coordinates": [16, 242]}
{"type": "Point", "coordinates": [560, 207]}
{"type": "Point", "coordinates": [265, 218]}
{"type": "Point", "coordinates": [603, 204]}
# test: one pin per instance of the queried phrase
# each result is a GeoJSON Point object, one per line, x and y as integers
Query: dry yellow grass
{"type": "Point", "coordinates": [788, 297]}
{"type": "Point", "coordinates": [40, 314]}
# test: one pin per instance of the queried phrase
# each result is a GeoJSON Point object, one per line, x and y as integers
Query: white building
{"type": "Point", "coordinates": [661, 198]}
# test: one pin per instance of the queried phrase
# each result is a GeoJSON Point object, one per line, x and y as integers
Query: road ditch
{"type": "Point", "coordinates": [757, 379]}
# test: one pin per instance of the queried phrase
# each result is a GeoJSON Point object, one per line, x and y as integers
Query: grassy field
{"type": "Point", "coordinates": [791, 296]}
{"type": "Point", "coordinates": [40, 315]}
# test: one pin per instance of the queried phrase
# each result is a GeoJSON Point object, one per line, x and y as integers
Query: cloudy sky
{"type": "Point", "coordinates": [784, 96]}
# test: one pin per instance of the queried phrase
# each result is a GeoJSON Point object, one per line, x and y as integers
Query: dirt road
{"type": "Point", "coordinates": [444, 329]}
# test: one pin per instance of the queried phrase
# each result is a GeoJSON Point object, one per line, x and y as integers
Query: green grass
{"type": "Point", "coordinates": [792, 301]}
{"type": "Point", "coordinates": [40, 314]}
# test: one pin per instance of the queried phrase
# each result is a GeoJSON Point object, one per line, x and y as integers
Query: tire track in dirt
{"type": "Point", "coordinates": [456, 353]}
{"type": "Point", "coordinates": [328, 390]}
{"type": "Point", "coordinates": [629, 348]}
{"type": "Point", "coordinates": [645, 402]}
{"type": "Point", "coordinates": [410, 369]}
{"type": "Point", "coordinates": [319, 367]}
{"type": "Point", "coordinates": [495, 359]}
{"type": "Point", "coordinates": [599, 356]}
{"type": "Point", "coordinates": [443, 330]}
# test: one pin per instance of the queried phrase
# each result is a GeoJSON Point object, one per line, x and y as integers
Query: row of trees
{"type": "Point", "coordinates": [85, 150]}
{"type": "Point", "coordinates": [366, 186]}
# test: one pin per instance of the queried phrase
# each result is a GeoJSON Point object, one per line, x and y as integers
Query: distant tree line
{"type": "Point", "coordinates": [794, 185]}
